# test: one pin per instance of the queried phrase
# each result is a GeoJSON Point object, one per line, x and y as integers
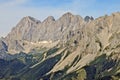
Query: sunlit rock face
{"type": "Point", "coordinates": [69, 48]}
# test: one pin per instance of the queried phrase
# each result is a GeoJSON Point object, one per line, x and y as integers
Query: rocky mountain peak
{"type": "Point", "coordinates": [72, 47]}
{"type": "Point", "coordinates": [88, 18]}
{"type": "Point", "coordinates": [66, 27]}
{"type": "Point", "coordinates": [49, 19]}
{"type": "Point", "coordinates": [29, 18]}
{"type": "Point", "coordinates": [23, 28]}
{"type": "Point", "coordinates": [67, 15]}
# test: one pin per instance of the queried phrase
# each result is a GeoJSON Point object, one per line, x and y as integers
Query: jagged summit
{"type": "Point", "coordinates": [29, 18]}
{"type": "Point", "coordinates": [70, 48]}
{"type": "Point", "coordinates": [67, 15]}
{"type": "Point", "coordinates": [66, 27]}
{"type": "Point", "coordinates": [88, 18]}
{"type": "Point", "coordinates": [49, 19]}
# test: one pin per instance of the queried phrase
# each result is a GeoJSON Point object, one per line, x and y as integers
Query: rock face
{"type": "Point", "coordinates": [24, 29]}
{"type": "Point", "coordinates": [79, 49]}
{"type": "Point", "coordinates": [33, 30]}
{"type": "Point", "coordinates": [67, 27]}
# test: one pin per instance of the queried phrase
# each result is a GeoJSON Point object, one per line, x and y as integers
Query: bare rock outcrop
{"type": "Point", "coordinates": [97, 34]}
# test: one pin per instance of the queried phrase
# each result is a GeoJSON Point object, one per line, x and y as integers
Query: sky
{"type": "Point", "coordinates": [12, 11]}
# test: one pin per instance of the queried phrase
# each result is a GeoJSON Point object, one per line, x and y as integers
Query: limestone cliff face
{"type": "Point", "coordinates": [50, 29]}
{"type": "Point", "coordinates": [72, 47]}
{"type": "Point", "coordinates": [97, 34]}
{"type": "Point", "coordinates": [32, 30]}
{"type": "Point", "coordinates": [24, 29]}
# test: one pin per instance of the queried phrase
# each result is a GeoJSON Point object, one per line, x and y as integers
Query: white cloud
{"type": "Point", "coordinates": [10, 3]}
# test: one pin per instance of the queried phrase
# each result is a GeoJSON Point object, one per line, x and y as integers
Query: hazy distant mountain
{"type": "Point", "coordinates": [70, 48]}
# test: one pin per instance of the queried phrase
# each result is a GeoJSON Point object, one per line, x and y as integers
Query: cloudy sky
{"type": "Point", "coordinates": [11, 11]}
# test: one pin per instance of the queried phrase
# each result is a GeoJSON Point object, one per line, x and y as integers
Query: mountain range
{"type": "Point", "coordinates": [69, 48]}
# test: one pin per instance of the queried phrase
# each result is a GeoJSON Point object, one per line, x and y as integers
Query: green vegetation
{"type": "Point", "coordinates": [32, 67]}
